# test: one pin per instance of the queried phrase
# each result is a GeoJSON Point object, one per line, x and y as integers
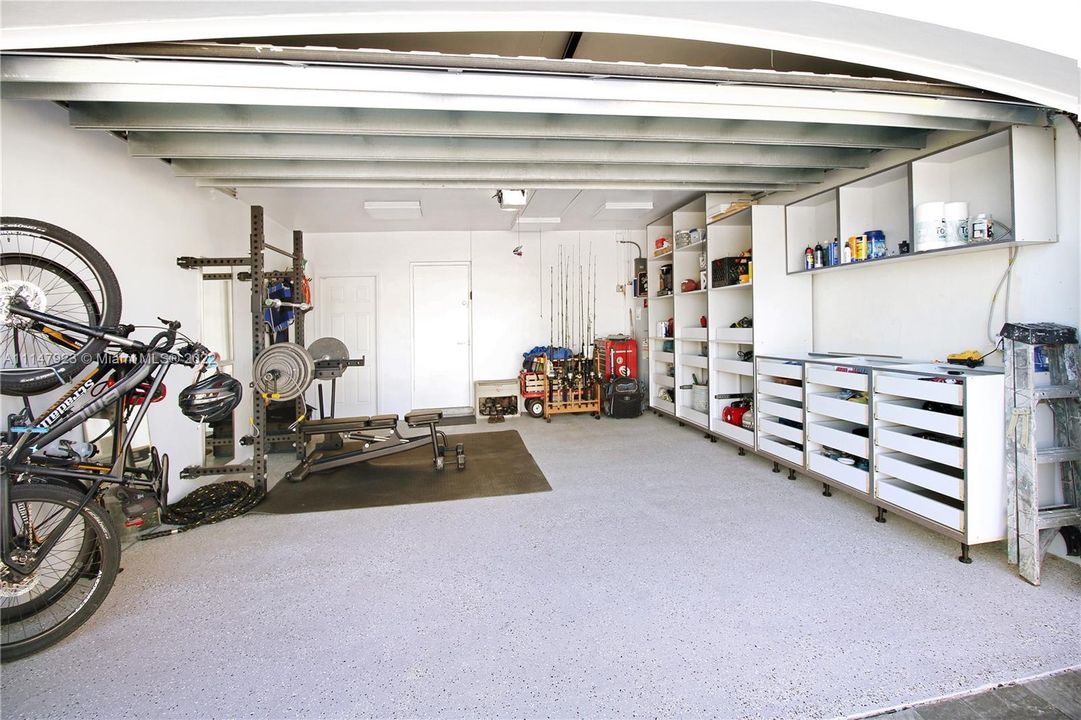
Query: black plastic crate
{"type": "Point", "coordinates": [726, 271]}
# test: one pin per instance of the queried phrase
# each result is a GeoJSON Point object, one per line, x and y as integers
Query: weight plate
{"type": "Point", "coordinates": [283, 371]}
{"type": "Point", "coordinates": [328, 348]}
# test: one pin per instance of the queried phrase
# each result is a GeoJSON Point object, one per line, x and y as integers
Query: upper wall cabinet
{"type": "Point", "coordinates": [995, 191]}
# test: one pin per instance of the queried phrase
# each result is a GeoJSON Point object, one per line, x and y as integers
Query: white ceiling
{"type": "Point", "coordinates": [316, 210]}
{"type": "Point", "coordinates": [312, 137]}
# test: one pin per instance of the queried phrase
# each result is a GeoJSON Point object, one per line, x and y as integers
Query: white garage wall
{"type": "Point", "coordinates": [140, 217]}
{"type": "Point", "coordinates": [510, 293]}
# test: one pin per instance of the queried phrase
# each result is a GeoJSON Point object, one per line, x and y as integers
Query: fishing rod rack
{"type": "Point", "coordinates": [257, 272]}
{"type": "Point", "coordinates": [573, 387]}
{"type": "Point", "coordinates": [572, 383]}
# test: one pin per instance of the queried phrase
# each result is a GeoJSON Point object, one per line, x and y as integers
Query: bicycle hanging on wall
{"type": "Point", "coordinates": [60, 307]}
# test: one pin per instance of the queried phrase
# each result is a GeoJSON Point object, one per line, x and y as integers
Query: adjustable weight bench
{"type": "Point", "coordinates": [377, 442]}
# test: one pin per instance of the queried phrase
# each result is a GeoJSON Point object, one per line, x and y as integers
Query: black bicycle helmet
{"type": "Point", "coordinates": [211, 399]}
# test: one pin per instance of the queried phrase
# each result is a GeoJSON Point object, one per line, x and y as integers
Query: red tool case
{"type": "Point", "coordinates": [619, 357]}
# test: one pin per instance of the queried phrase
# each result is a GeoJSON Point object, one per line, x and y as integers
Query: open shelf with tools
{"type": "Point", "coordinates": [991, 192]}
{"type": "Point", "coordinates": [731, 374]}
{"type": "Point", "coordinates": [660, 313]}
{"type": "Point", "coordinates": [719, 354]}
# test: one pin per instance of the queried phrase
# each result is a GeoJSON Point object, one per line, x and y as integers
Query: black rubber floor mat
{"type": "Point", "coordinates": [497, 463]}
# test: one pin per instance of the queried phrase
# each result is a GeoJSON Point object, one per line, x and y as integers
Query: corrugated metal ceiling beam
{"type": "Point", "coordinates": [363, 121]}
{"type": "Point", "coordinates": [468, 150]}
{"type": "Point", "coordinates": [493, 172]}
{"type": "Point", "coordinates": [465, 183]}
{"type": "Point", "coordinates": [262, 53]}
{"type": "Point", "coordinates": [73, 79]}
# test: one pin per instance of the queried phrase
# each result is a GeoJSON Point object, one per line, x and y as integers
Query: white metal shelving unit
{"type": "Point", "coordinates": [839, 423]}
{"type": "Point", "coordinates": [729, 376]}
{"type": "Point", "coordinates": [692, 340]}
{"type": "Point", "coordinates": [1008, 174]}
{"type": "Point", "coordinates": [779, 421]}
{"type": "Point", "coordinates": [939, 449]}
{"type": "Point", "coordinates": [662, 362]}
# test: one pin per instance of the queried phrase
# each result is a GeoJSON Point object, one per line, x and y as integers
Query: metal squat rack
{"type": "Point", "coordinates": [259, 277]}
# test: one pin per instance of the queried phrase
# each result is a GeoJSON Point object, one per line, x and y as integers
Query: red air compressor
{"type": "Point", "coordinates": [619, 357]}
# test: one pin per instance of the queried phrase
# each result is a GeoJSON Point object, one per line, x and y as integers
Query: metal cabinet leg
{"type": "Point", "coordinates": [742, 451]}
{"type": "Point", "coordinates": [791, 474]}
{"type": "Point", "coordinates": [964, 555]}
{"type": "Point", "coordinates": [826, 490]}
{"type": "Point", "coordinates": [776, 467]}
{"type": "Point", "coordinates": [881, 516]}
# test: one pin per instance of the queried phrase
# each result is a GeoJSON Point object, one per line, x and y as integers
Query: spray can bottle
{"type": "Point", "coordinates": [818, 255]}
{"type": "Point", "coordinates": [809, 258]}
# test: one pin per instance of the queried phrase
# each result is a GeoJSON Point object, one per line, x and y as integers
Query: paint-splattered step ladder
{"type": "Point", "coordinates": [1031, 528]}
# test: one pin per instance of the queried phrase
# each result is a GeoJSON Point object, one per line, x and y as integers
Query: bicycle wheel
{"type": "Point", "coordinates": [70, 584]}
{"type": "Point", "coordinates": [58, 273]}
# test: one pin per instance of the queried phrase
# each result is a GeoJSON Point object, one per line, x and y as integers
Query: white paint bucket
{"type": "Point", "coordinates": [930, 226]}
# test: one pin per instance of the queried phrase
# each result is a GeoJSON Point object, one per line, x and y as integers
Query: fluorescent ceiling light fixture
{"type": "Point", "coordinates": [393, 209]}
{"type": "Point", "coordinates": [538, 220]}
{"type": "Point", "coordinates": [511, 199]}
{"type": "Point", "coordinates": [638, 205]}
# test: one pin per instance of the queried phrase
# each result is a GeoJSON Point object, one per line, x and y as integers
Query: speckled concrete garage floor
{"type": "Point", "coordinates": [663, 576]}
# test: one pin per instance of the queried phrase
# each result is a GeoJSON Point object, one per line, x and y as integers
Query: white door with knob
{"type": "Point", "coordinates": [346, 307]}
{"type": "Point", "coordinates": [442, 335]}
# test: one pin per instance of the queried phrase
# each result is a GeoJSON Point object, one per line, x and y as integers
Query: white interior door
{"type": "Point", "coordinates": [347, 312]}
{"type": "Point", "coordinates": [442, 337]}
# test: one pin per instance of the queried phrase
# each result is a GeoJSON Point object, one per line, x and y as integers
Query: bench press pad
{"type": "Point", "coordinates": [382, 422]}
{"type": "Point", "coordinates": [448, 415]}
{"type": "Point", "coordinates": [335, 425]}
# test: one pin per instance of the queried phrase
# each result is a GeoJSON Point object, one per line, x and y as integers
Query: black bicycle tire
{"type": "Point", "coordinates": [110, 565]}
{"type": "Point", "coordinates": [52, 377]}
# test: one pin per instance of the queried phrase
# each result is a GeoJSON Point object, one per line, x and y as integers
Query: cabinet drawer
{"type": "Point", "coordinates": [909, 412]}
{"type": "Point", "coordinates": [837, 436]}
{"type": "Point", "coordinates": [735, 432]}
{"type": "Point", "coordinates": [736, 367]}
{"type": "Point", "coordinates": [780, 369]}
{"type": "Point", "coordinates": [836, 378]}
{"type": "Point", "coordinates": [696, 361]}
{"type": "Point", "coordinates": [778, 408]}
{"type": "Point", "coordinates": [844, 474]}
{"type": "Point", "coordinates": [901, 440]}
{"type": "Point", "coordinates": [776, 449]}
{"type": "Point", "coordinates": [780, 430]}
{"type": "Point", "coordinates": [923, 389]}
{"type": "Point", "coordinates": [922, 505]}
{"type": "Point", "coordinates": [920, 472]}
{"type": "Point", "coordinates": [736, 335]}
{"type": "Point", "coordinates": [791, 392]}
{"type": "Point", "coordinates": [692, 333]}
{"type": "Point", "coordinates": [837, 408]}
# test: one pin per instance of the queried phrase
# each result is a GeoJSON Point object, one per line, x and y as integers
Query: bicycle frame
{"type": "Point", "coordinates": [60, 418]}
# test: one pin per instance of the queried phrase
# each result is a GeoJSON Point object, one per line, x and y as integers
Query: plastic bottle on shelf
{"type": "Point", "coordinates": [818, 255]}
{"type": "Point", "coordinates": [846, 253]}
{"type": "Point", "coordinates": [809, 258]}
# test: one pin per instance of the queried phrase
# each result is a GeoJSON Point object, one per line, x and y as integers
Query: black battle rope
{"type": "Point", "coordinates": [208, 504]}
